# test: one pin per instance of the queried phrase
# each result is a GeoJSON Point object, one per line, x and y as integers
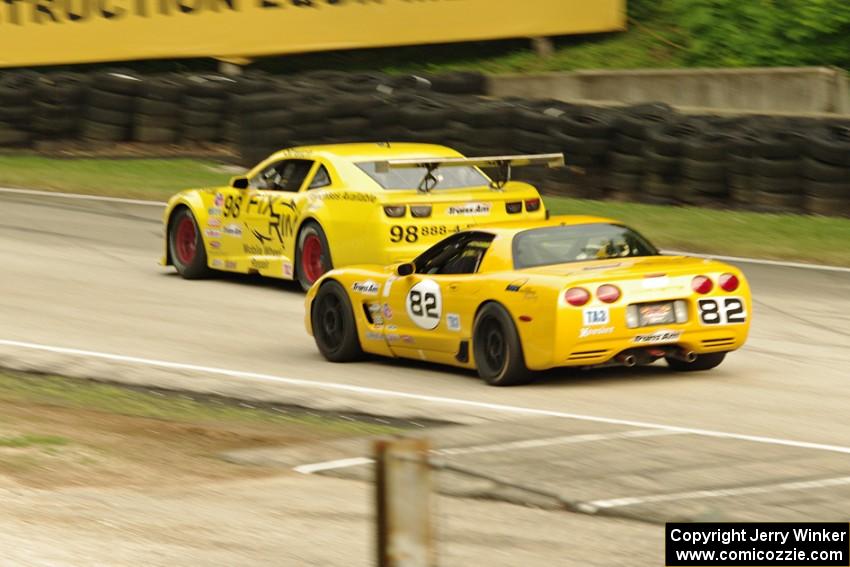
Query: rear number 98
{"type": "Point", "coordinates": [722, 311]}
{"type": "Point", "coordinates": [412, 233]}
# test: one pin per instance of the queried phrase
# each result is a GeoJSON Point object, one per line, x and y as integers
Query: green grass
{"type": "Point", "coordinates": [109, 398]}
{"type": "Point", "coordinates": [810, 239]}
{"type": "Point", "coordinates": [785, 237]}
{"type": "Point", "coordinates": [24, 441]}
{"type": "Point", "coordinates": [154, 179]}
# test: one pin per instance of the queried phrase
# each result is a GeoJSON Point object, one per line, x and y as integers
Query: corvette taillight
{"type": "Point", "coordinates": [701, 284]}
{"type": "Point", "coordinates": [532, 205]}
{"type": "Point", "coordinates": [608, 293]}
{"type": "Point", "coordinates": [577, 296]}
{"type": "Point", "coordinates": [728, 282]}
{"type": "Point", "coordinates": [395, 211]}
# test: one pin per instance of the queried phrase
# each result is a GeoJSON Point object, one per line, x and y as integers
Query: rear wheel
{"type": "Point", "coordinates": [334, 327]}
{"type": "Point", "coordinates": [703, 362]}
{"type": "Point", "coordinates": [314, 255]}
{"type": "Point", "coordinates": [497, 348]}
{"type": "Point", "coordinates": [186, 247]}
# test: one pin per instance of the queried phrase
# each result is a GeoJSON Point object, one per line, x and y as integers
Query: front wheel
{"type": "Point", "coordinates": [497, 348]}
{"type": "Point", "coordinates": [334, 327]}
{"type": "Point", "coordinates": [186, 247]}
{"type": "Point", "coordinates": [314, 255]}
{"type": "Point", "coordinates": [703, 362]}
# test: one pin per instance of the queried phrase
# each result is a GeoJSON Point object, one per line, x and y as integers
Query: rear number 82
{"type": "Point", "coordinates": [722, 311]}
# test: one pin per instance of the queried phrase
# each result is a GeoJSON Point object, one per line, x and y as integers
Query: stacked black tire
{"type": "Point", "coordinates": [110, 106]}
{"type": "Point", "coordinates": [159, 110]}
{"type": "Point", "coordinates": [206, 108]}
{"type": "Point", "coordinates": [626, 161]}
{"type": "Point", "coordinates": [59, 100]}
{"type": "Point", "coordinates": [16, 109]}
{"type": "Point", "coordinates": [826, 171]}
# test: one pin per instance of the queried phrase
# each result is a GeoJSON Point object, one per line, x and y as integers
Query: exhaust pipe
{"type": "Point", "coordinates": [627, 360]}
{"type": "Point", "coordinates": [683, 355]}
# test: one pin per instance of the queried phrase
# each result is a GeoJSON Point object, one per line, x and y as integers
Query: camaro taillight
{"type": "Point", "coordinates": [513, 208]}
{"type": "Point", "coordinates": [395, 211]}
{"type": "Point", "coordinates": [577, 296]}
{"type": "Point", "coordinates": [608, 293]}
{"type": "Point", "coordinates": [701, 284]}
{"type": "Point", "coordinates": [729, 282]}
{"type": "Point", "coordinates": [420, 211]}
{"type": "Point", "coordinates": [532, 205]}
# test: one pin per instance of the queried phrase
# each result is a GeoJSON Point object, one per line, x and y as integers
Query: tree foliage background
{"type": "Point", "coordinates": [734, 33]}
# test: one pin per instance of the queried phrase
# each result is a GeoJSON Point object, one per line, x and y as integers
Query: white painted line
{"type": "Point", "coordinates": [333, 465]}
{"type": "Point", "coordinates": [457, 402]}
{"type": "Point", "coordinates": [495, 448]}
{"type": "Point", "coordinates": [596, 505]}
{"type": "Point", "coordinates": [562, 440]}
{"type": "Point", "coordinates": [779, 263]}
{"type": "Point", "coordinates": [82, 197]}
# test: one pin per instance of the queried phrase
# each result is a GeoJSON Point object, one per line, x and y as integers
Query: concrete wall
{"type": "Point", "coordinates": [781, 89]}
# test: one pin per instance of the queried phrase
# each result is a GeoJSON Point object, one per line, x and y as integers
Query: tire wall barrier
{"type": "Point", "coordinates": [645, 152]}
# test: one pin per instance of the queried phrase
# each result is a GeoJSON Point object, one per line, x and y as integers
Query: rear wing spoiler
{"type": "Point", "coordinates": [503, 164]}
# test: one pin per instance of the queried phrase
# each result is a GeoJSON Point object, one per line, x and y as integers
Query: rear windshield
{"type": "Point", "coordinates": [578, 243]}
{"type": "Point", "coordinates": [447, 177]}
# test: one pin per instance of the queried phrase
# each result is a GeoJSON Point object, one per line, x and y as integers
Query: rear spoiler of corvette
{"type": "Point", "coordinates": [503, 165]}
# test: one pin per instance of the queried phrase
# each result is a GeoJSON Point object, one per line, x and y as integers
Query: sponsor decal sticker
{"type": "Point", "coordinates": [219, 199]}
{"type": "Point", "coordinates": [233, 229]}
{"type": "Point", "coordinates": [213, 223]}
{"type": "Point", "coordinates": [453, 321]}
{"type": "Point", "coordinates": [592, 332]}
{"type": "Point", "coordinates": [469, 210]}
{"type": "Point", "coordinates": [230, 265]}
{"type": "Point", "coordinates": [391, 328]}
{"type": "Point", "coordinates": [366, 288]}
{"type": "Point", "coordinates": [596, 316]}
{"type": "Point", "coordinates": [408, 339]}
{"type": "Point", "coordinates": [658, 337]}
{"type": "Point", "coordinates": [210, 233]}
{"type": "Point", "coordinates": [259, 264]}
{"type": "Point", "coordinates": [393, 338]}
{"type": "Point", "coordinates": [214, 212]}
{"type": "Point", "coordinates": [215, 244]}
{"type": "Point", "coordinates": [425, 304]}
{"type": "Point", "coordinates": [388, 311]}
{"type": "Point", "coordinates": [287, 269]}
{"type": "Point", "coordinates": [217, 263]}
{"type": "Point", "coordinates": [656, 282]}
{"type": "Point", "coordinates": [372, 336]}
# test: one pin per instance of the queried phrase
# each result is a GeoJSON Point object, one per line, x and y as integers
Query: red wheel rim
{"type": "Point", "coordinates": [185, 240]}
{"type": "Point", "coordinates": [311, 258]}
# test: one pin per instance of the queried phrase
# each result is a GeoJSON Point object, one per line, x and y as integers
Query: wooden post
{"type": "Point", "coordinates": [403, 491]}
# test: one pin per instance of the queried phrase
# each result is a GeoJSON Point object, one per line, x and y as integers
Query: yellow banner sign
{"type": "Point", "coordinates": [49, 32]}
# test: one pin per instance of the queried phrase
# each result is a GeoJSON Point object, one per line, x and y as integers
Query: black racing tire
{"type": "Point", "coordinates": [819, 171]}
{"type": "Point", "coordinates": [776, 167]}
{"type": "Point", "coordinates": [15, 138]}
{"type": "Point", "coordinates": [200, 104]}
{"type": "Point", "coordinates": [623, 182]}
{"type": "Point", "coordinates": [703, 362]}
{"type": "Point", "coordinates": [627, 163]}
{"type": "Point", "coordinates": [153, 107]}
{"type": "Point", "coordinates": [112, 117]}
{"type": "Point", "coordinates": [826, 189]}
{"type": "Point", "coordinates": [104, 132]}
{"type": "Point", "coordinates": [703, 170]}
{"type": "Point", "coordinates": [628, 144]}
{"type": "Point", "coordinates": [312, 263]}
{"type": "Point", "coordinates": [200, 133]}
{"type": "Point", "coordinates": [155, 135]}
{"type": "Point", "coordinates": [201, 118]}
{"type": "Point", "coordinates": [497, 349]}
{"type": "Point", "coordinates": [663, 165]}
{"type": "Point", "coordinates": [110, 101]}
{"type": "Point", "coordinates": [830, 207]}
{"type": "Point", "coordinates": [186, 247]}
{"type": "Point", "coordinates": [334, 326]}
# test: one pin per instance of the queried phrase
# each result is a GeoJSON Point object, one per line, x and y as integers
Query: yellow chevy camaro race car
{"type": "Point", "coordinates": [533, 295]}
{"type": "Point", "coordinates": [306, 210]}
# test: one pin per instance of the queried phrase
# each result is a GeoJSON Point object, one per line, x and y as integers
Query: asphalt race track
{"type": "Point", "coordinates": [83, 275]}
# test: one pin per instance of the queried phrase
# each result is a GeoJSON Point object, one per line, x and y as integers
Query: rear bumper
{"type": "Point", "coordinates": [596, 350]}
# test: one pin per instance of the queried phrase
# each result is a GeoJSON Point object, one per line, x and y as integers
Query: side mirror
{"type": "Point", "coordinates": [240, 182]}
{"type": "Point", "coordinates": [405, 269]}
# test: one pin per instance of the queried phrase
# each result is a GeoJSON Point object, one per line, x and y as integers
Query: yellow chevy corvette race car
{"type": "Point", "coordinates": [533, 295]}
{"type": "Point", "coordinates": [306, 210]}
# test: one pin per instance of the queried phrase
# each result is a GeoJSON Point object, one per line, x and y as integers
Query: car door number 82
{"type": "Point", "coordinates": [722, 311]}
{"type": "Point", "coordinates": [424, 304]}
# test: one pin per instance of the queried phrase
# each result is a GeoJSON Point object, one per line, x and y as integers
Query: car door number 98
{"type": "Point", "coordinates": [722, 311]}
